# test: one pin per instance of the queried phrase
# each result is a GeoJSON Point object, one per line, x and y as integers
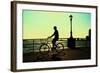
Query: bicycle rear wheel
{"type": "Point", "coordinates": [59, 47]}
{"type": "Point", "coordinates": [44, 49]}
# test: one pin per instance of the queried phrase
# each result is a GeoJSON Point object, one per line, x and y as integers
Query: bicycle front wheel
{"type": "Point", "coordinates": [44, 49]}
{"type": "Point", "coordinates": [60, 47]}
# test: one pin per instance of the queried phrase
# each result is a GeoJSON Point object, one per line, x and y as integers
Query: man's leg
{"type": "Point", "coordinates": [53, 44]}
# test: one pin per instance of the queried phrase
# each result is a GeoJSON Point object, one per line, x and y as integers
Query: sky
{"type": "Point", "coordinates": [39, 24]}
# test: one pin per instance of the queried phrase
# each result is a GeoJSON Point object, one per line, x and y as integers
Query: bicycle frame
{"type": "Point", "coordinates": [49, 43]}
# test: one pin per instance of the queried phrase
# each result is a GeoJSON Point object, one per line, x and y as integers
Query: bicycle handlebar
{"type": "Point", "coordinates": [46, 40]}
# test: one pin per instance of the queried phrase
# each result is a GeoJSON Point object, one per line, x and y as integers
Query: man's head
{"type": "Point", "coordinates": [55, 28]}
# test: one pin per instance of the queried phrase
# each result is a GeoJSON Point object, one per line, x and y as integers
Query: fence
{"type": "Point", "coordinates": [33, 45]}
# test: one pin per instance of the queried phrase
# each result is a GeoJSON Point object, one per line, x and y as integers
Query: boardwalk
{"type": "Point", "coordinates": [67, 54]}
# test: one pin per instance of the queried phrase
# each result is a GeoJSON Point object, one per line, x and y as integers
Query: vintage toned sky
{"type": "Point", "coordinates": [39, 24]}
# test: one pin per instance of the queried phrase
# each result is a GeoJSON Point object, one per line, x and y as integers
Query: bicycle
{"type": "Point", "coordinates": [46, 47]}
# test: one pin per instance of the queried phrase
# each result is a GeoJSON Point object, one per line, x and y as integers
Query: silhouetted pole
{"type": "Point", "coordinates": [71, 26]}
{"type": "Point", "coordinates": [71, 40]}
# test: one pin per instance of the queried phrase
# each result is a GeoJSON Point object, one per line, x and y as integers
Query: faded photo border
{"type": "Point", "coordinates": [16, 36]}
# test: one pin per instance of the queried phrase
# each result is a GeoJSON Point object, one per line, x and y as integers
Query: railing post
{"type": "Point", "coordinates": [33, 45]}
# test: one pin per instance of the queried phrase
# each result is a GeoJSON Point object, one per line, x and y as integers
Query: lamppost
{"type": "Point", "coordinates": [71, 26]}
{"type": "Point", "coordinates": [71, 40]}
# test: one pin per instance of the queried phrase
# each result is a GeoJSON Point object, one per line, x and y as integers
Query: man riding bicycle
{"type": "Point", "coordinates": [56, 37]}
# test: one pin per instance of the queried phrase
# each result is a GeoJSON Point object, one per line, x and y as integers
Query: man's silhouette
{"type": "Point", "coordinates": [56, 37]}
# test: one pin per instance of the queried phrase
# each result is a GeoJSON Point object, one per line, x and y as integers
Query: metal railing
{"type": "Point", "coordinates": [33, 45]}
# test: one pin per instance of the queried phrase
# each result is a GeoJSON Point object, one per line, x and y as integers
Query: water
{"type": "Point", "coordinates": [31, 45]}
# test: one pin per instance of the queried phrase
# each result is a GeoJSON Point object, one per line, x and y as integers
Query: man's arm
{"type": "Point", "coordinates": [52, 35]}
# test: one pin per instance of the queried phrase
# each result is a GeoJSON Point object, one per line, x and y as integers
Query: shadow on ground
{"type": "Point", "coordinates": [67, 54]}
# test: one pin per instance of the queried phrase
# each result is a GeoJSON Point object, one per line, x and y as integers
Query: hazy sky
{"type": "Point", "coordinates": [39, 24]}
